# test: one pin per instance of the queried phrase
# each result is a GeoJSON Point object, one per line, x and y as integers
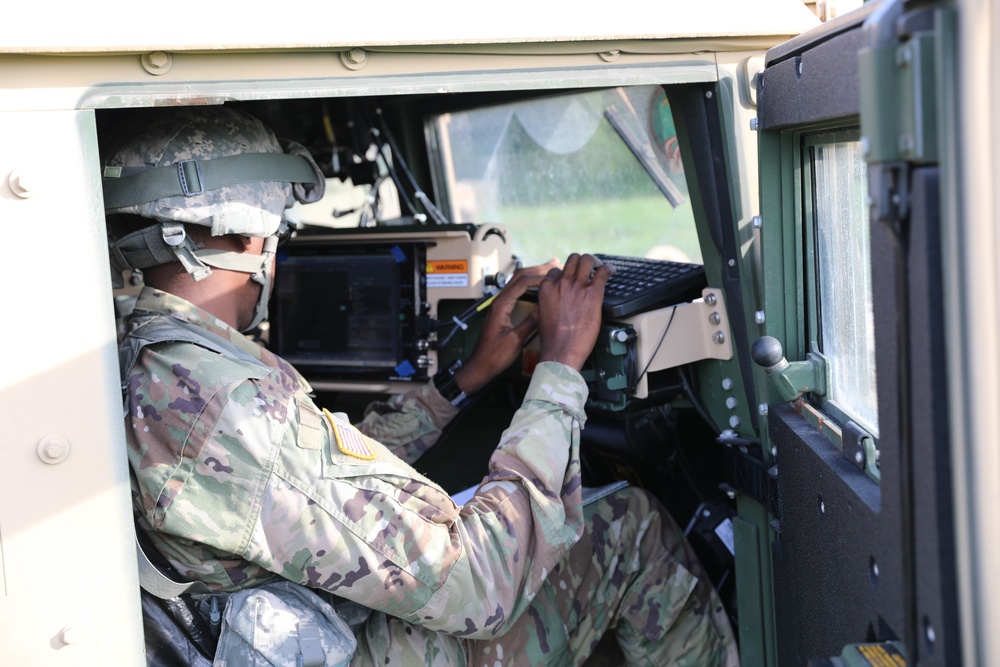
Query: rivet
{"type": "Point", "coordinates": [754, 124]}
{"type": "Point", "coordinates": [714, 318]}
{"type": "Point", "coordinates": [734, 421]}
{"type": "Point", "coordinates": [727, 383]}
{"type": "Point", "coordinates": [718, 338]}
{"type": "Point", "coordinates": [710, 299]}
{"type": "Point", "coordinates": [757, 222]}
{"type": "Point", "coordinates": [759, 317]}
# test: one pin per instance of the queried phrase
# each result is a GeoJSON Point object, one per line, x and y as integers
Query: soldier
{"type": "Point", "coordinates": [239, 478]}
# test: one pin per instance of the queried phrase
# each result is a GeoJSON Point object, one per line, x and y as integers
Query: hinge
{"type": "Point", "coordinates": [898, 104]}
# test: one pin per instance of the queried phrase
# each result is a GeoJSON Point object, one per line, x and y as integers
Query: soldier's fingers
{"type": "Point", "coordinates": [571, 266]}
{"type": "Point", "coordinates": [601, 275]}
{"type": "Point", "coordinates": [585, 267]}
{"type": "Point", "coordinates": [538, 269]}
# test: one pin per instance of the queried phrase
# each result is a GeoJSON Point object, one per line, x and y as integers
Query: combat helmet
{"type": "Point", "coordinates": [211, 166]}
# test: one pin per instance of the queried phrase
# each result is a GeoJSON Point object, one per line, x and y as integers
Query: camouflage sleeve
{"type": "Point", "coordinates": [408, 424]}
{"type": "Point", "coordinates": [321, 504]}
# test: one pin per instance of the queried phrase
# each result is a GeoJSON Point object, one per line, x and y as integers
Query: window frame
{"type": "Point", "coordinates": [807, 140]}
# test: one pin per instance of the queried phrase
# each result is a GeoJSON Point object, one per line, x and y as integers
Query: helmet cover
{"type": "Point", "coordinates": [165, 137]}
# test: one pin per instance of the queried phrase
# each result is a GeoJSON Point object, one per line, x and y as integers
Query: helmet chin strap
{"type": "Point", "coordinates": [168, 242]}
{"type": "Point", "coordinates": [258, 266]}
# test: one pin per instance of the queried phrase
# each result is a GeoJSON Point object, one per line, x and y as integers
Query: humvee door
{"type": "Point", "coordinates": [850, 344]}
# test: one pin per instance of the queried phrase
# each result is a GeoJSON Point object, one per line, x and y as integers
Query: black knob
{"type": "Point", "coordinates": [766, 351]}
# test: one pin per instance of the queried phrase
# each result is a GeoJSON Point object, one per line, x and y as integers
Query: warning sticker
{"type": "Point", "coordinates": [448, 273]}
{"type": "Point", "coordinates": [881, 655]}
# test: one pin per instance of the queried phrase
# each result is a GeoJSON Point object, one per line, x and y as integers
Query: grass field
{"type": "Point", "coordinates": [617, 227]}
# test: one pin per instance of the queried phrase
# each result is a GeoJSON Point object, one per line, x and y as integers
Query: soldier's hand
{"type": "Point", "coordinates": [500, 341]}
{"type": "Point", "coordinates": [569, 310]}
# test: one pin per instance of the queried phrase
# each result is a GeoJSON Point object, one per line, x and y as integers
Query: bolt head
{"type": "Point", "coordinates": [759, 317]}
{"type": "Point", "coordinates": [734, 421]}
{"type": "Point", "coordinates": [727, 383]}
{"type": "Point", "coordinates": [754, 124]}
{"type": "Point", "coordinates": [714, 318]}
{"type": "Point", "coordinates": [859, 458]}
{"type": "Point", "coordinates": [710, 299]}
{"type": "Point", "coordinates": [158, 59]}
{"type": "Point", "coordinates": [53, 449]}
{"type": "Point", "coordinates": [719, 338]}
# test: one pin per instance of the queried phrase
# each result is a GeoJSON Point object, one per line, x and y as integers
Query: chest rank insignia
{"type": "Point", "coordinates": [349, 439]}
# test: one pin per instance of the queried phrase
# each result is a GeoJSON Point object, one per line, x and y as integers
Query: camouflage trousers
{"type": "Point", "coordinates": [632, 572]}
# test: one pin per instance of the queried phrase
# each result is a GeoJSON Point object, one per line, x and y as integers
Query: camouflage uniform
{"type": "Point", "coordinates": [238, 476]}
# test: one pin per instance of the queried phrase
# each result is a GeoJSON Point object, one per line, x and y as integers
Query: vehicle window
{"type": "Point", "coordinates": [591, 171]}
{"type": "Point", "coordinates": [843, 270]}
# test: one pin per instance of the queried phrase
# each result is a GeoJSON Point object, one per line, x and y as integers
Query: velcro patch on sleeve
{"type": "Point", "coordinates": [349, 439]}
{"type": "Point", "coordinates": [312, 434]}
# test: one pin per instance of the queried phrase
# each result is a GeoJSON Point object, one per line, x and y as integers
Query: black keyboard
{"type": "Point", "coordinates": [641, 284]}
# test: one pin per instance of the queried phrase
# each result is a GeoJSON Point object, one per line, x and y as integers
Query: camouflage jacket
{"type": "Point", "coordinates": [238, 475]}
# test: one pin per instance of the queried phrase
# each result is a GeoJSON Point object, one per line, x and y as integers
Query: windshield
{"type": "Point", "coordinates": [592, 171]}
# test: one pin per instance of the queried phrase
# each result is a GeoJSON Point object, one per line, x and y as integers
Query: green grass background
{"type": "Point", "coordinates": [619, 227]}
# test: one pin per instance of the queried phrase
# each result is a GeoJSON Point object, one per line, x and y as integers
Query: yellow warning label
{"type": "Point", "coordinates": [879, 656]}
{"type": "Point", "coordinates": [448, 266]}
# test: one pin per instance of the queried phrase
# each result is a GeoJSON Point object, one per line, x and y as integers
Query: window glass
{"type": "Point", "coordinates": [593, 171]}
{"type": "Point", "coordinates": [843, 262]}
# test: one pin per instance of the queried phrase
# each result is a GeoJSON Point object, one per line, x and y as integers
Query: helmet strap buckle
{"type": "Point", "coordinates": [173, 234]}
{"type": "Point", "coordinates": [177, 239]}
{"type": "Point", "coordinates": [190, 177]}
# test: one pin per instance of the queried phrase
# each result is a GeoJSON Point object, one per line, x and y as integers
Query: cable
{"type": "Point", "coordinates": [421, 196]}
{"type": "Point", "coordinates": [461, 320]}
{"type": "Point", "coordinates": [663, 337]}
{"type": "Point", "coordinates": [392, 173]}
{"type": "Point", "coordinates": [695, 401]}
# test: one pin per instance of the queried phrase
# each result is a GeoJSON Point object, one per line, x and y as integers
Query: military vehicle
{"type": "Point", "coordinates": [813, 402]}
